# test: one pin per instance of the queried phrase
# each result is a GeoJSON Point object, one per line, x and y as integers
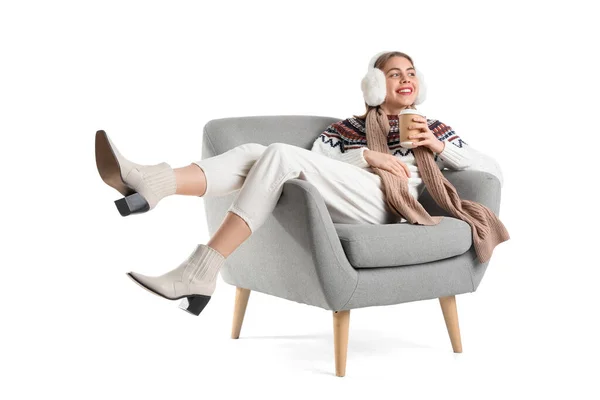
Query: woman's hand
{"type": "Point", "coordinates": [425, 137]}
{"type": "Point", "coordinates": [388, 162]}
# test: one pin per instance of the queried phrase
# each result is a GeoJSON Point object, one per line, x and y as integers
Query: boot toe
{"type": "Point", "coordinates": [155, 285]}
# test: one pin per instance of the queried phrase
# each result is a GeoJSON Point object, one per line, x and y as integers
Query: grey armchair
{"type": "Point", "coordinates": [299, 254]}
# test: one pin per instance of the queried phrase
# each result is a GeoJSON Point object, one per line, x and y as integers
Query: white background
{"type": "Point", "coordinates": [516, 80]}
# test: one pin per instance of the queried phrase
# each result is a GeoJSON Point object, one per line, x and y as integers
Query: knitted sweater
{"type": "Point", "coordinates": [346, 141]}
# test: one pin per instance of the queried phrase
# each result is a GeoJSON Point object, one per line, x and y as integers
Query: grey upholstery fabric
{"type": "Point", "coordinates": [369, 246]}
{"type": "Point", "coordinates": [299, 254]}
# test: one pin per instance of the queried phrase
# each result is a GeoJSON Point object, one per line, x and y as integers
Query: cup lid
{"type": "Point", "coordinates": [411, 111]}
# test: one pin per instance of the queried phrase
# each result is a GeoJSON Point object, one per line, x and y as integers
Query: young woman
{"type": "Point", "coordinates": [339, 164]}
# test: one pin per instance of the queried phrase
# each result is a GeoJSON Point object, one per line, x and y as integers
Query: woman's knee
{"type": "Point", "coordinates": [254, 149]}
{"type": "Point", "coordinates": [284, 152]}
{"type": "Point", "coordinates": [280, 147]}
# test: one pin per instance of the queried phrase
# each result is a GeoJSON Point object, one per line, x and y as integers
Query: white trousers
{"type": "Point", "coordinates": [352, 195]}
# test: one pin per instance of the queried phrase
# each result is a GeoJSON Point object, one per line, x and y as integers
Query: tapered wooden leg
{"type": "Point", "coordinates": [341, 324]}
{"type": "Point", "coordinates": [239, 310]}
{"type": "Point", "coordinates": [451, 317]}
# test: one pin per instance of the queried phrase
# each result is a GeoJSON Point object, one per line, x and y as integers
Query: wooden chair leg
{"type": "Point", "coordinates": [341, 324]}
{"type": "Point", "coordinates": [239, 310]}
{"type": "Point", "coordinates": [451, 317]}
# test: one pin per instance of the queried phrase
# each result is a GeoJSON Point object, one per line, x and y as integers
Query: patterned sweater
{"type": "Point", "coordinates": [346, 141]}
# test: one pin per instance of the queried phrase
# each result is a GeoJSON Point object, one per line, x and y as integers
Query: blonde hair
{"type": "Point", "coordinates": [381, 60]}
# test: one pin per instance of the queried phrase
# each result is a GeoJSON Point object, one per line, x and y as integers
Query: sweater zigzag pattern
{"type": "Point", "coordinates": [351, 134]}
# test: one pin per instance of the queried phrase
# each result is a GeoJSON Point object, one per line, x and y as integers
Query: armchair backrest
{"type": "Point", "coordinates": [224, 134]}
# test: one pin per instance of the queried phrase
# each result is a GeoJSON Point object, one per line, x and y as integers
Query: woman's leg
{"type": "Point", "coordinates": [227, 172]}
{"type": "Point", "coordinates": [230, 235]}
{"type": "Point", "coordinates": [351, 194]}
{"type": "Point", "coordinates": [195, 278]}
{"type": "Point", "coordinates": [191, 180]}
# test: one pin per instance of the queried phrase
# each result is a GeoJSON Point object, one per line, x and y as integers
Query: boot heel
{"type": "Point", "coordinates": [194, 304]}
{"type": "Point", "coordinates": [131, 204]}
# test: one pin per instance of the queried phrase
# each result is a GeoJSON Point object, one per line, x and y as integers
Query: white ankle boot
{"type": "Point", "coordinates": [195, 279]}
{"type": "Point", "coordinates": [142, 185]}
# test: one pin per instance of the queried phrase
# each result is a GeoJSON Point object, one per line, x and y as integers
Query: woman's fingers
{"type": "Point", "coordinates": [401, 169]}
{"type": "Point", "coordinates": [421, 126]}
{"type": "Point", "coordinates": [420, 142]}
{"type": "Point", "coordinates": [395, 169]}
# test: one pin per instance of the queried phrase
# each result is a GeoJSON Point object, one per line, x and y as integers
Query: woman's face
{"type": "Point", "coordinates": [399, 74]}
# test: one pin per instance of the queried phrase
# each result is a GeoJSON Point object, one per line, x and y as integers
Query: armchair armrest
{"type": "Point", "coordinates": [479, 186]}
{"type": "Point", "coordinates": [296, 254]}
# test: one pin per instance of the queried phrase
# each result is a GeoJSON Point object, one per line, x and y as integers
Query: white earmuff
{"type": "Point", "coordinates": [374, 88]}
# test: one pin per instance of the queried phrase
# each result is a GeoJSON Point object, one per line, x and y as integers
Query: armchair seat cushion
{"type": "Point", "coordinates": [395, 245]}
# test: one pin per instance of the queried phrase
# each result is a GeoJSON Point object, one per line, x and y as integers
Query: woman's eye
{"type": "Point", "coordinates": [395, 73]}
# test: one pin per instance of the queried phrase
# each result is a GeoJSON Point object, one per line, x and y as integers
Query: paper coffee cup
{"type": "Point", "coordinates": [405, 119]}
